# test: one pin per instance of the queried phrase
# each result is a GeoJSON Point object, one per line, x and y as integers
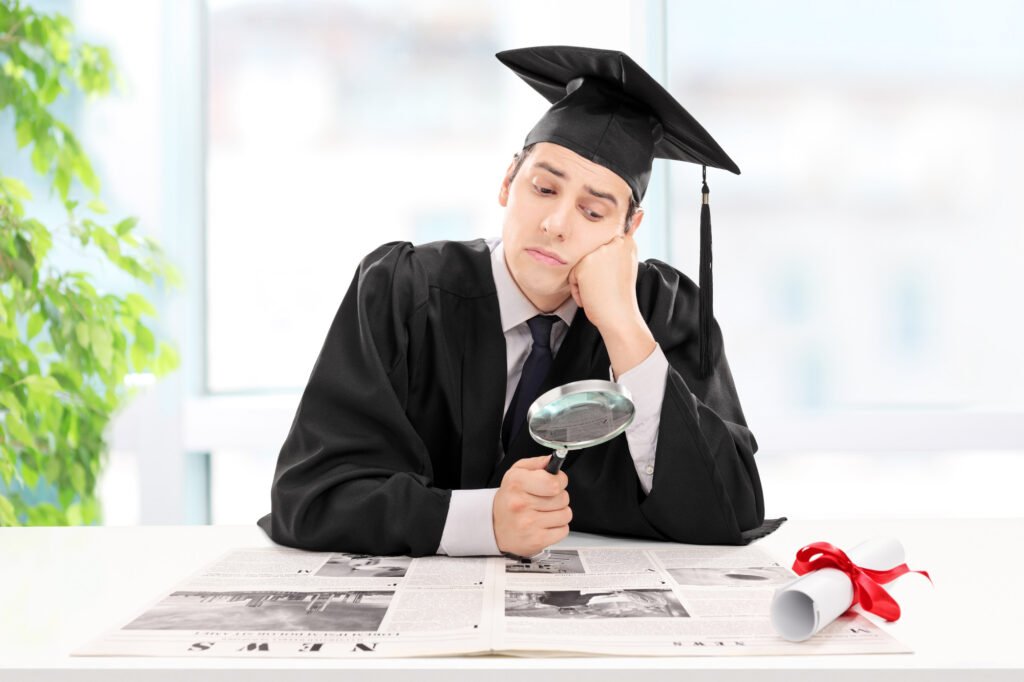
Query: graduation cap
{"type": "Point", "coordinates": [610, 111]}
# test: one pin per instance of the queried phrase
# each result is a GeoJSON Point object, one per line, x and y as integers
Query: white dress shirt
{"type": "Point", "coordinates": [468, 530]}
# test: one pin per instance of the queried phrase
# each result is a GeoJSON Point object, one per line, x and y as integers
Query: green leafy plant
{"type": "Point", "coordinates": [65, 346]}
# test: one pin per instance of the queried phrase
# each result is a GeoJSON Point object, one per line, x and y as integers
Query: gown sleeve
{"type": "Point", "coordinates": [706, 487]}
{"type": "Point", "coordinates": [353, 474]}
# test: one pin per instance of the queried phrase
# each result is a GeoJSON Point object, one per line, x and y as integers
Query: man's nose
{"type": "Point", "coordinates": [557, 222]}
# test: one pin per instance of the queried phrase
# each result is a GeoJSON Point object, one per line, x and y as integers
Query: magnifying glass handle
{"type": "Point", "coordinates": [557, 459]}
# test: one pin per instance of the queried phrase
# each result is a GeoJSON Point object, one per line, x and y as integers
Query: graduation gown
{"type": "Point", "coordinates": [405, 404]}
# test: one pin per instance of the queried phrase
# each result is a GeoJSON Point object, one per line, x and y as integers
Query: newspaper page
{"type": "Point", "coordinates": [283, 602]}
{"type": "Point", "coordinates": [683, 600]}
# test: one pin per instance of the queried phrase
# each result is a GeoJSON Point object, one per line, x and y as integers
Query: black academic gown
{"type": "Point", "coordinates": [404, 404]}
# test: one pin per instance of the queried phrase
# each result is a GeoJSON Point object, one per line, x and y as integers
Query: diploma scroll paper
{"type": "Point", "coordinates": [812, 601]}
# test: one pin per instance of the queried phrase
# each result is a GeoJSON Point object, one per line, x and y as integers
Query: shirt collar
{"type": "Point", "coordinates": [515, 308]}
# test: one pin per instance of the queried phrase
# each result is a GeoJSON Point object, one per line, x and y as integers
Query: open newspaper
{"type": "Point", "coordinates": [281, 602]}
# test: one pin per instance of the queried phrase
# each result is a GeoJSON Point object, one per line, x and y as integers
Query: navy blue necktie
{"type": "Point", "coordinates": [535, 370]}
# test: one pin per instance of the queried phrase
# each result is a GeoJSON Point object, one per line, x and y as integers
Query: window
{"type": "Point", "coordinates": [869, 255]}
{"type": "Point", "coordinates": [336, 127]}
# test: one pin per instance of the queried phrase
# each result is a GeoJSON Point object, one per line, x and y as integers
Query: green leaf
{"type": "Point", "coordinates": [70, 381]}
{"type": "Point", "coordinates": [10, 401]}
{"type": "Point", "coordinates": [91, 512]}
{"type": "Point", "coordinates": [143, 338]}
{"type": "Point", "coordinates": [107, 242]}
{"type": "Point", "coordinates": [45, 514]}
{"type": "Point", "coordinates": [24, 270]}
{"type": "Point", "coordinates": [57, 42]}
{"type": "Point", "coordinates": [51, 88]}
{"type": "Point", "coordinates": [167, 360]}
{"type": "Point", "coordinates": [83, 169]}
{"type": "Point", "coordinates": [16, 188]}
{"type": "Point", "coordinates": [78, 477]}
{"type": "Point", "coordinates": [66, 496]}
{"type": "Point", "coordinates": [140, 359]}
{"type": "Point", "coordinates": [30, 475]}
{"type": "Point", "coordinates": [173, 277]}
{"type": "Point", "coordinates": [125, 226]}
{"type": "Point", "coordinates": [24, 261]}
{"type": "Point", "coordinates": [51, 467]}
{"type": "Point", "coordinates": [138, 305]}
{"type": "Point", "coordinates": [41, 387]}
{"type": "Point", "coordinates": [39, 160]}
{"type": "Point", "coordinates": [42, 240]}
{"type": "Point", "coordinates": [74, 515]}
{"type": "Point", "coordinates": [45, 348]}
{"type": "Point", "coordinates": [7, 515]}
{"type": "Point", "coordinates": [97, 206]}
{"type": "Point", "coordinates": [35, 324]}
{"type": "Point", "coordinates": [102, 345]}
{"type": "Point", "coordinates": [82, 333]}
{"type": "Point", "coordinates": [72, 435]}
{"type": "Point", "coordinates": [62, 174]}
{"type": "Point", "coordinates": [7, 462]}
{"type": "Point", "coordinates": [24, 132]}
{"type": "Point", "coordinates": [16, 427]}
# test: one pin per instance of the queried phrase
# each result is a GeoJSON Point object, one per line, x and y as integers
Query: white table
{"type": "Point", "coordinates": [61, 587]}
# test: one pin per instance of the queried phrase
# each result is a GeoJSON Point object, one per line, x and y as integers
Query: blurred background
{"type": "Point", "coordinates": [868, 261]}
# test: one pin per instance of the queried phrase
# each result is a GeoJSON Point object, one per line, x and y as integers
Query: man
{"type": "Point", "coordinates": [409, 437]}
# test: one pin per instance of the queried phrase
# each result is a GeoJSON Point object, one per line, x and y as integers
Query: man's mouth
{"type": "Point", "coordinates": [543, 256]}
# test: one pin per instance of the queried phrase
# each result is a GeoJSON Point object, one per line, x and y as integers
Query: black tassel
{"type": "Point", "coordinates": [706, 310]}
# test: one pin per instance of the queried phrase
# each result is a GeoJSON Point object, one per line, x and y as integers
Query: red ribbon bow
{"type": "Point", "coordinates": [867, 583]}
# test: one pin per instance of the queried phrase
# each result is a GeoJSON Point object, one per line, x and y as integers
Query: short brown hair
{"type": "Point", "coordinates": [520, 156]}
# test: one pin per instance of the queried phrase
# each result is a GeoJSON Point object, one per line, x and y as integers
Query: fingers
{"type": "Point", "coordinates": [540, 483]}
{"type": "Point", "coordinates": [528, 474]}
{"type": "Point", "coordinates": [536, 541]}
{"type": "Point", "coordinates": [548, 504]}
{"type": "Point", "coordinates": [554, 519]}
{"type": "Point", "coordinates": [528, 532]}
{"type": "Point", "coordinates": [531, 463]}
{"type": "Point", "coordinates": [574, 289]}
{"type": "Point", "coordinates": [550, 537]}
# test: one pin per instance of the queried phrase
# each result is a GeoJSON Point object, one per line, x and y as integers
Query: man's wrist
{"type": "Point", "coordinates": [628, 344]}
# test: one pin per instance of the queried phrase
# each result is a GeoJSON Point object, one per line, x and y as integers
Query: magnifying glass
{"type": "Point", "coordinates": [579, 415]}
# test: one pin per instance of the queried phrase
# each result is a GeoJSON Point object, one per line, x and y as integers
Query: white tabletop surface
{"type": "Point", "coordinates": [61, 587]}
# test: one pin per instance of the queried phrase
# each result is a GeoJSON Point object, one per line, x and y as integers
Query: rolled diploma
{"type": "Point", "coordinates": [807, 604]}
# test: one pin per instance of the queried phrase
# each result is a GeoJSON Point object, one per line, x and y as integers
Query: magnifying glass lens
{"type": "Point", "coordinates": [583, 417]}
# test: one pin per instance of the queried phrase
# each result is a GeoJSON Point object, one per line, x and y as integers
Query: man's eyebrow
{"type": "Point", "coordinates": [561, 174]}
{"type": "Point", "coordinates": [551, 169]}
{"type": "Point", "coordinates": [602, 195]}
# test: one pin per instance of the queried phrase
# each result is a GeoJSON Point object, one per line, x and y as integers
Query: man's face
{"type": "Point", "coordinates": [560, 207]}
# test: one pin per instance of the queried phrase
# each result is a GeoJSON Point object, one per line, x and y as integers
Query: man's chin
{"type": "Point", "coordinates": [550, 297]}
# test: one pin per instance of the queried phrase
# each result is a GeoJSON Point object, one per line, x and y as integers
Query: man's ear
{"type": "Point", "coordinates": [505, 183]}
{"type": "Point", "coordinates": [634, 223]}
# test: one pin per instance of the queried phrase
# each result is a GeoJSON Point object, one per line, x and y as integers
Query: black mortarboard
{"type": "Point", "coordinates": [610, 111]}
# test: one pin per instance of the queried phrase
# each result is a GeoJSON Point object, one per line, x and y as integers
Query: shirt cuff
{"type": "Point", "coordinates": [646, 383]}
{"type": "Point", "coordinates": [469, 530]}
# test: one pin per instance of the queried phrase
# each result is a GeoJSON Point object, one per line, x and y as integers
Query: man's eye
{"type": "Point", "coordinates": [543, 190]}
{"type": "Point", "coordinates": [591, 214]}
